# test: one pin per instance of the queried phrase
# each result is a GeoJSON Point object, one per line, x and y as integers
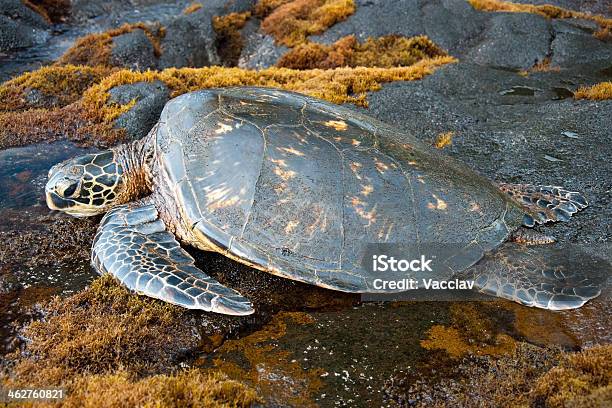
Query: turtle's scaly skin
{"type": "Point", "coordinates": [299, 187]}
{"type": "Point", "coordinates": [154, 264]}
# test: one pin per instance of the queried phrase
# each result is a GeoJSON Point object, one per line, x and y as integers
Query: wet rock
{"type": "Point", "coordinates": [134, 51]}
{"type": "Point", "coordinates": [20, 27]}
{"type": "Point", "coordinates": [60, 241]}
{"type": "Point", "coordinates": [150, 99]}
{"type": "Point", "coordinates": [514, 40]}
{"type": "Point", "coordinates": [16, 10]}
{"type": "Point", "coordinates": [472, 381]}
{"type": "Point", "coordinates": [85, 10]}
{"type": "Point", "coordinates": [190, 41]}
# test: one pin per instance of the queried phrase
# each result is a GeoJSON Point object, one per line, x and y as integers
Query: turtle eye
{"type": "Point", "coordinates": [68, 190]}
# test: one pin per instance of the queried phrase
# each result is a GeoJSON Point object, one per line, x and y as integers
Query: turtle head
{"type": "Point", "coordinates": [86, 185]}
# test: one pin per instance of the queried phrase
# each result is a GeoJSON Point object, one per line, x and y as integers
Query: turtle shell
{"type": "Point", "coordinates": [303, 188]}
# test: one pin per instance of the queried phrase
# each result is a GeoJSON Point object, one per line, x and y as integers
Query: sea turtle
{"type": "Point", "coordinates": [299, 187]}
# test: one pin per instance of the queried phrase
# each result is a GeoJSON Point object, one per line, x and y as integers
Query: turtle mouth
{"type": "Point", "coordinates": [55, 202]}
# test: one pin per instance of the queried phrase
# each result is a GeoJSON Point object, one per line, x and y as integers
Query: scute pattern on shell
{"type": "Point", "coordinates": [299, 187]}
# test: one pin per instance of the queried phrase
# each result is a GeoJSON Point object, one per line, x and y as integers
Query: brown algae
{"type": "Point", "coordinates": [265, 365]}
{"type": "Point", "coordinates": [598, 92]}
{"type": "Point", "coordinates": [546, 10]}
{"type": "Point", "coordinates": [229, 39]}
{"type": "Point", "coordinates": [291, 23]}
{"type": "Point", "coordinates": [95, 49]}
{"type": "Point", "coordinates": [90, 119]}
{"type": "Point", "coordinates": [385, 52]}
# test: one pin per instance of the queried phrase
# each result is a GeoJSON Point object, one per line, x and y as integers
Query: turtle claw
{"type": "Point", "coordinates": [545, 203]}
{"type": "Point", "coordinates": [238, 307]}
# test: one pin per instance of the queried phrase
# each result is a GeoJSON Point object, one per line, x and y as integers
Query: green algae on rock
{"type": "Point", "coordinates": [444, 139]}
{"type": "Point", "coordinates": [100, 330]}
{"type": "Point", "coordinates": [472, 381]}
{"type": "Point", "coordinates": [49, 87]}
{"type": "Point", "coordinates": [266, 363]}
{"type": "Point", "coordinates": [192, 8]}
{"type": "Point", "coordinates": [542, 66]}
{"type": "Point", "coordinates": [188, 388]}
{"type": "Point", "coordinates": [529, 376]}
{"type": "Point", "coordinates": [582, 379]}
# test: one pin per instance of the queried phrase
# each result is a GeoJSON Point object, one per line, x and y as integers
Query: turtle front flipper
{"type": "Point", "coordinates": [545, 203]}
{"type": "Point", "coordinates": [549, 277]}
{"type": "Point", "coordinates": [133, 245]}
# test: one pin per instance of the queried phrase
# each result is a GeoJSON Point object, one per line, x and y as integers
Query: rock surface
{"type": "Point", "coordinates": [150, 100]}
{"type": "Point", "coordinates": [20, 27]}
{"type": "Point", "coordinates": [133, 51]}
{"type": "Point", "coordinates": [259, 50]}
{"type": "Point", "coordinates": [189, 41]}
{"type": "Point", "coordinates": [512, 137]}
{"type": "Point", "coordinates": [513, 40]}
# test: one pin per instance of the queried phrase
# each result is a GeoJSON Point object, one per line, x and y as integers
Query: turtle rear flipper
{"type": "Point", "coordinates": [133, 245]}
{"type": "Point", "coordinates": [549, 277]}
{"type": "Point", "coordinates": [545, 203]}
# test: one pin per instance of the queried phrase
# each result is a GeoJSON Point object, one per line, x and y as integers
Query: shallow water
{"type": "Point", "coordinates": [63, 36]}
{"type": "Point", "coordinates": [356, 356]}
{"type": "Point", "coordinates": [23, 174]}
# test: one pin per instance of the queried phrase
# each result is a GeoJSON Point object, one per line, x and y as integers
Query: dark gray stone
{"type": "Point", "coordinates": [190, 41]}
{"type": "Point", "coordinates": [150, 100]}
{"type": "Point", "coordinates": [514, 40]}
{"type": "Point", "coordinates": [115, 12]}
{"type": "Point", "coordinates": [134, 51]}
{"type": "Point", "coordinates": [375, 18]}
{"type": "Point", "coordinates": [20, 27]}
{"type": "Point", "coordinates": [260, 50]}
{"type": "Point", "coordinates": [588, 6]}
{"type": "Point", "coordinates": [16, 10]}
{"type": "Point", "coordinates": [86, 9]}
{"type": "Point", "coordinates": [576, 45]}
{"type": "Point", "coordinates": [506, 137]}
{"type": "Point", "coordinates": [451, 24]}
